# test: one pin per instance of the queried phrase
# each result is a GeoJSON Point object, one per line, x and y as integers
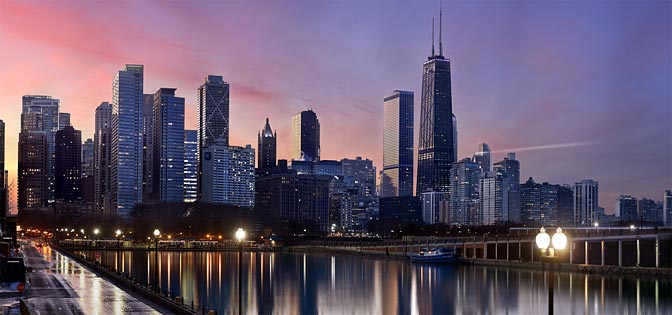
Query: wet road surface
{"type": "Point", "coordinates": [59, 285]}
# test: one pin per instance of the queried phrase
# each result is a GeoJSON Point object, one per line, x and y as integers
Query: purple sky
{"type": "Point", "coordinates": [525, 74]}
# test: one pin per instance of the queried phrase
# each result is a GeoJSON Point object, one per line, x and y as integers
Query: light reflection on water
{"type": "Point", "coordinates": [283, 283]}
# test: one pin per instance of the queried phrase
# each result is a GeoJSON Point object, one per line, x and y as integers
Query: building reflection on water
{"type": "Point", "coordinates": [284, 283]}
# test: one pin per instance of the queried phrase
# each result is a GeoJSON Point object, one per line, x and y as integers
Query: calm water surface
{"type": "Point", "coordinates": [292, 283]}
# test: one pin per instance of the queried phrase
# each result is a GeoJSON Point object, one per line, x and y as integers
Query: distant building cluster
{"type": "Point", "coordinates": [141, 153]}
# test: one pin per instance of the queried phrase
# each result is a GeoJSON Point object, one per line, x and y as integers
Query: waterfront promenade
{"type": "Point", "coordinates": [60, 285]}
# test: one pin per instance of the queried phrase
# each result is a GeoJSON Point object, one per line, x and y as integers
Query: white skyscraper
{"type": "Point", "coordinates": [127, 139]}
{"type": "Point", "coordinates": [585, 202]}
{"type": "Point", "coordinates": [491, 191]}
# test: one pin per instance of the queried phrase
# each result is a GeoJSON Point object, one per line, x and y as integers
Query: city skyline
{"type": "Point", "coordinates": [495, 117]}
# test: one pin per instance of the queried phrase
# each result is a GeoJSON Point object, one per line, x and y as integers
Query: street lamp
{"type": "Point", "coordinates": [117, 233]}
{"type": "Point", "coordinates": [240, 236]}
{"type": "Point", "coordinates": [156, 259]}
{"type": "Point", "coordinates": [95, 232]}
{"type": "Point", "coordinates": [559, 241]}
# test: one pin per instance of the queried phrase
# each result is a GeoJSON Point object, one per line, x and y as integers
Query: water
{"type": "Point", "coordinates": [296, 283]}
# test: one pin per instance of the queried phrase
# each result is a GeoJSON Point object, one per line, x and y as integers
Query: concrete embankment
{"type": "Point", "coordinates": [129, 286]}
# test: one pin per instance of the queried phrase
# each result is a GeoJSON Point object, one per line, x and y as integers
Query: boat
{"type": "Point", "coordinates": [438, 255]}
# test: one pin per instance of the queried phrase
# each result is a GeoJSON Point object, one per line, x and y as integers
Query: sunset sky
{"type": "Point", "coordinates": [586, 87]}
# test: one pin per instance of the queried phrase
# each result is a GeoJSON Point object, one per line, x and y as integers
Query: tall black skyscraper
{"type": "Point", "coordinates": [267, 147]}
{"type": "Point", "coordinates": [305, 136]}
{"type": "Point", "coordinates": [436, 149]}
{"type": "Point", "coordinates": [68, 164]}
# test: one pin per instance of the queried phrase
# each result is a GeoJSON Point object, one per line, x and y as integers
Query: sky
{"type": "Point", "coordinates": [579, 89]}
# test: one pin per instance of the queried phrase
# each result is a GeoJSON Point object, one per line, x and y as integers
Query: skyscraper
{"type": "Point", "coordinates": [267, 147]}
{"type": "Point", "coordinates": [626, 209]}
{"type": "Point", "coordinates": [482, 157]}
{"type": "Point", "coordinates": [102, 158]}
{"type": "Point", "coordinates": [33, 163]}
{"type": "Point", "coordinates": [360, 174]}
{"type": "Point", "coordinates": [148, 147]}
{"type": "Point", "coordinates": [539, 203]}
{"type": "Point", "coordinates": [68, 164]}
{"type": "Point", "coordinates": [436, 149]}
{"type": "Point", "coordinates": [48, 110]}
{"type": "Point", "coordinates": [649, 212]}
{"type": "Point", "coordinates": [190, 165]}
{"type": "Point", "coordinates": [305, 136]}
{"type": "Point", "coordinates": [127, 146]}
{"type": "Point", "coordinates": [491, 196]}
{"type": "Point", "coordinates": [213, 116]}
{"type": "Point", "coordinates": [397, 176]}
{"type": "Point", "coordinates": [430, 206]}
{"type": "Point", "coordinates": [463, 197]}
{"type": "Point", "coordinates": [509, 167]}
{"type": "Point", "coordinates": [228, 175]}
{"type": "Point", "coordinates": [63, 120]}
{"type": "Point", "coordinates": [585, 202]}
{"type": "Point", "coordinates": [2, 155]}
{"type": "Point", "coordinates": [667, 208]}
{"type": "Point", "coordinates": [87, 158]}
{"type": "Point", "coordinates": [168, 150]}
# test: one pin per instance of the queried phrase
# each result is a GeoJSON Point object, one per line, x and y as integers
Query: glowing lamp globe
{"type": "Point", "coordinates": [157, 232]}
{"type": "Point", "coordinates": [240, 234]}
{"type": "Point", "coordinates": [96, 231]}
{"type": "Point", "coordinates": [559, 239]}
{"type": "Point", "coordinates": [543, 240]}
{"type": "Point", "coordinates": [117, 232]}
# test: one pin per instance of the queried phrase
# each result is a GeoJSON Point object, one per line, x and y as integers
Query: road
{"type": "Point", "coordinates": [59, 285]}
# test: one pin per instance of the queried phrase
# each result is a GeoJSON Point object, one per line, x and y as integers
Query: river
{"type": "Point", "coordinates": [298, 283]}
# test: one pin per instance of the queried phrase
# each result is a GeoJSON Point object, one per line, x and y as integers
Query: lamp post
{"type": "Point", "coordinates": [156, 259]}
{"type": "Point", "coordinates": [551, 256]}
{"type": "Point", "coordinates": [118, 234]}
{"type": "Point", "coordinates": [240, 236]}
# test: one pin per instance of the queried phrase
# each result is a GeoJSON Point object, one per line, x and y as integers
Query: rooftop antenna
{"type": "Point", "coordinates": [432, 37]}
{"type": "Point", "coordinates": [440, 27]}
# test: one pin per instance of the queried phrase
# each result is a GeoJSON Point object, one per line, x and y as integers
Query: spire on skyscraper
{"type": "Point", "coordinates": [432, 37]}
{"type": "Point", "coordinates": [440, 27]}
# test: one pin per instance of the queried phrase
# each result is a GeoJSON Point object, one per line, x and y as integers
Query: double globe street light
{"type": "Point", "coordinates": [551, 255]}
{"type": "Point", "coordinates": [240, 236]}
{"type": "Point", "coordinates": [156, 260]}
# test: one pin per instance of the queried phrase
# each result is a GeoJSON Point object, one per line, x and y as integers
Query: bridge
{"type": "Point", "coordinates": [617, 247]}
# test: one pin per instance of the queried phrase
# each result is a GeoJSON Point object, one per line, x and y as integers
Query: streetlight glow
{"type": "Point", "coordinates": [240, 234]}
{"type": "Point", "coordinates": [117, 232]}
{"type": "Point", "coordinates": [96, 231]}
{"type": "Point", "coordinates": [559, 239]}
{"type": "Point", "coordinates": [542, 239]}
{"type": "Point", "coordinates": [157, 232]}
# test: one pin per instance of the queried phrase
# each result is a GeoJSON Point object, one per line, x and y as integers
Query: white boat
{"type": "Point", "coordinates": [439, 255]}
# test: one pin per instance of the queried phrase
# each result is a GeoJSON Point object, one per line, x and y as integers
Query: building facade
{"type": "Point", "coordinates": [305, 136]}
{"type": "Point", "coordinates": [539, 203]}
{"type": "Point", "coordinates": [482, 157]}
{"type": "Point", "coordinates": [586, 196]}
{"type": "Point", "coordinates": [102, 158]}
{"type": "Point", "coordinates": [430, 206]}
{"type": "Point", "coordinates": [190, 165]}
{"type": "Point", "coordinates": [127, 140]}
{"type": "Point", "coordinates": [68, 164]}
{"type": "Point", "coordinates": [148, 148]}
{"type": "Point", "coordinates": [626, 209]}
{"type": "Point", "coordinates": [168, 151]}
{"type": "Point", "coordinates": [294, 197]}
{"type": "Point", "coordinates": [33, 167]}
{"type": "Point", "coordinates": [463, 193]}
{"type": "Point", "coordinates": [491, 191]}
{"type": "Point", "coordinates": [509, 167]}
{"type": "Point", "coordinates": [213, 116]}
{"type": "Point", "coordinates": [46, 119]}
{"type": "Point", "coordinates": [228, 175]}
{"type": "Point", "coordinates": [267, 144]}
{"type": "Point", "coordinates": [397, 175]}
{"type": "Point", "coordinates": [667, 208]}
{"type": "Point", "coordinates": [437, 147]}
